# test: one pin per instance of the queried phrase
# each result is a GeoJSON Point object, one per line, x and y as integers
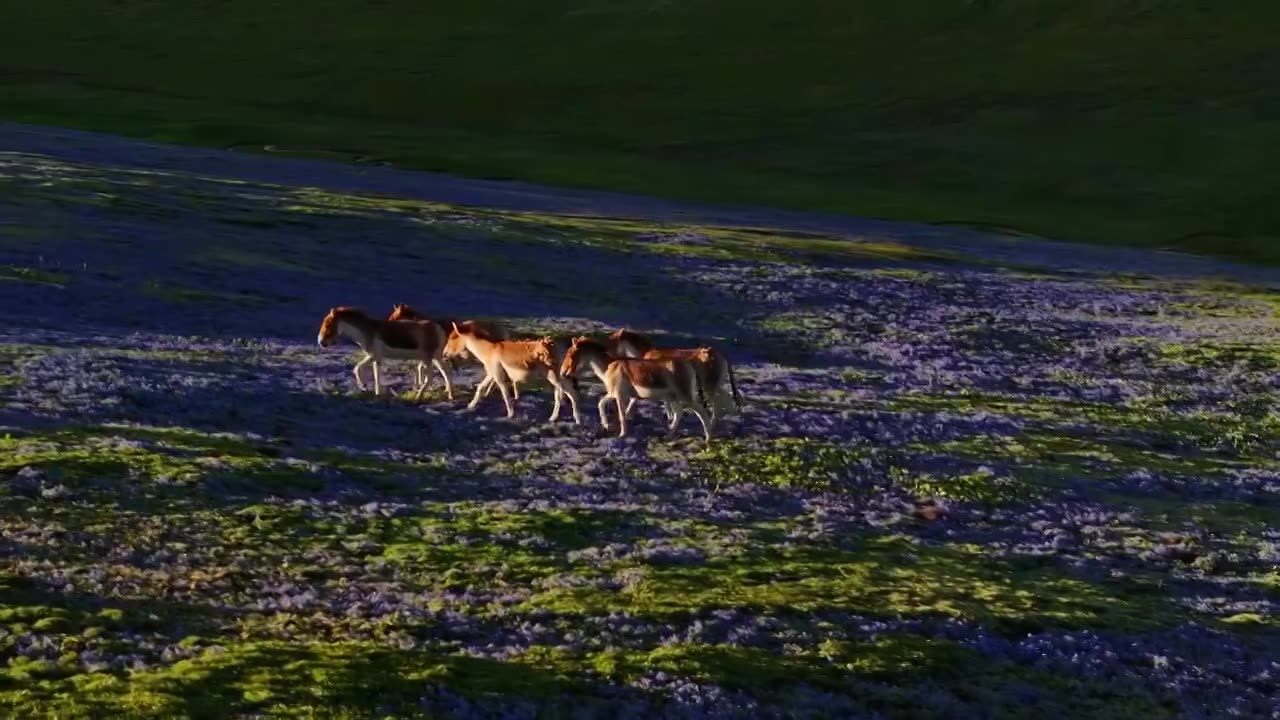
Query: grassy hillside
{"type": "Point", "coordinates": [1131, 121]}
{"type": "Point", "coordinates": [955, 489]}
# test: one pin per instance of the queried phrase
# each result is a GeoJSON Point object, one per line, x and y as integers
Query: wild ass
{"type": "Point", "coordinates": [672, 381]}
{"type": "Point", "coordinates": [514, 361]}
{"type": "Point", "coordinates": [456, 348]}
{"type": "Point", "coordinates": [486, 328]}
{"type": "Point", "coordinates": [491, 330]}
{"type": "Point", "coordinates": [381, 340]}
{"type": "Point", "coordinates": [713, 366]}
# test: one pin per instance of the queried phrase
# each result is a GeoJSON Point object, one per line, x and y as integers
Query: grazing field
{"type": "Point", "coordinates": [1006, 484]}
{"type": "Point", "coordinates": [1141, 122]}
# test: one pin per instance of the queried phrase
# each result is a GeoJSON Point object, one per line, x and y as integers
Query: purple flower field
{"type": "Point", "coordinates": [963, 484]}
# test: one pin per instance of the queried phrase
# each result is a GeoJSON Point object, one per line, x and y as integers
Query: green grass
{"type": "Point", "coordinates": [1079, 119]}
{"type": "Point", "coordinates": [881, 577]}
{"type": "Point", "coordinates": [340, 679]}
{"type": "Point", "coordinates": [179, 295]}
{"type": "Point", "coordinates": [31, 275]}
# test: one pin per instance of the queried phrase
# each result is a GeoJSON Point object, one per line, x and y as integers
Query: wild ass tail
{"type": "Point", "coordinates": [733, 384]}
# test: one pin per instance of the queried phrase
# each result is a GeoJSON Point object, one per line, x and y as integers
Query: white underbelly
{"type": "Point", "coordinates": [517, 374]}
{"type": "Point", "coordinates": [648, 393]}
{"type": "Point", "coordinates": [391, 353]}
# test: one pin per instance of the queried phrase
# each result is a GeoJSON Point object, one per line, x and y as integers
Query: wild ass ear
{"type": "Point", "coordinates": [455, 326]}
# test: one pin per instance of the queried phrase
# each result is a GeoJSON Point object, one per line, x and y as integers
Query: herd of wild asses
{"type": "Point", "coordinates": [626, 362]}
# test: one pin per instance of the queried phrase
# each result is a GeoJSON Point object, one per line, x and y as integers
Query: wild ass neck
{"type": "Point", "coordinates": [360, 330]}
{"type": "Point", "coordinates": [478, 346]}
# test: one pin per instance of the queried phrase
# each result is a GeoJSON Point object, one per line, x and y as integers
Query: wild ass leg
{"type": "Point", "coordinates": [572, 393]}
{"type": "Point", "coordinates": [488, 388]}
{"type": "Point", "coordinates": [720, 404]}
{"type": "Point", "coordinates": [423, 382]}
{"type": "Point", "coordinates": [377, 378]}
{"type": "Point", "coordinates": [481, 390]}
{"type": "Point", "coordinates": [448, 384]}
{"type": "Point", "coordinates": [500, 381]}
{"type": "Point", "coordinates": [696, 408]}
{"type": "Point", "coordinates": [673, 411]}
{"type": "Point", "coordinates": [622, 396]}
{"type": "Point", "coordinates": [555, 391]}
{"type": "Point", "coordinates": [562, 387]}
{"type": "Point", "coordinates": [706, 430]}
{"type": "Point", "coordinates": [604, 416]}
{"type": "Point", "coordinates": [666, 409]}
{"type": "Point", "coordinates": [356, 371]}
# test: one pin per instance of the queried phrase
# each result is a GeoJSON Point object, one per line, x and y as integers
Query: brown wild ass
{"type": "Point", "coordinates": [491, 330]}
{"type": "Point", "coordinates": [672, 381]}
{"type": "Point", "coordinates": [713, 367]}
{"type": "Point", "coordinates": [514, 361]}
{"type": "Point", "coordinates": [486, 328]}
{"type": "Point", "coordinates": [456, 348]}
{"type": "Point", "coordinates": [381, 340]}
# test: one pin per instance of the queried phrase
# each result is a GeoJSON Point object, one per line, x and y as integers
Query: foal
{"type": "Point", "coordinates": [514, 361]}
{"type": "Point", "coordinates": [420, 340]}
{"type": "Point", "coordinates": [672, 381]}
{"type": "Point", "coordinates": [713, 367]}
{"type": "Point", "coordinates": [456, 348]}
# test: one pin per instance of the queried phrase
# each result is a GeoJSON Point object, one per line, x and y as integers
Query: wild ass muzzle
{"type": "Point", "coordinates": [381, 340]}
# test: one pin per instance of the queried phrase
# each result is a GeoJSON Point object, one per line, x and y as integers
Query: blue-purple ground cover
{"type": "Point", "coordinates": [958, 489]}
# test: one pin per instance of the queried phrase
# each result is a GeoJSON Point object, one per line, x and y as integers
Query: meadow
{"type": "Point", "coordinates": [960, 486]}
{"type": "Point", "coordinates": [1138, 122]}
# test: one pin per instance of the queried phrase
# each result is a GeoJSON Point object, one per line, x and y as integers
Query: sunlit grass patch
{"type": "Point", "coordinates": [1222, 518]}
{"type": "Point", "coordinates": [33, 276]}
{"type": "Point", "coordinates": [881, 577]}
{"type": "Point", "coordinates": [330, 680]}
{"type": "Point", "coordinates": [1078, 455]}
{"type": "Point", "coordinates": [128, 457]}
{"type": "Point", "coordinates": [468, 546]}
{"type": "Point", "coordinates": [659, 238]}
{"type": "Point", "coordinates": [1199, 439]}
{"type": "Point", "coordinates": [338, 679]}
{"type": "Point", "coordinates": [982, 486]}
{"type": "Point", "coordinates": [181, 295]}
{"type": "Point", "coordinates": [801, 463]}
{"type": "Point", "coordinates": [1250, 357]}
{"type": "Point", "coordinates": [1228, 299]}
{"type": "Point", "coordinates": [240, 257]}
{"type": "Point", "coordinates": [730, 243]}
{"type": "Point", "coordinates": [897, 675]}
